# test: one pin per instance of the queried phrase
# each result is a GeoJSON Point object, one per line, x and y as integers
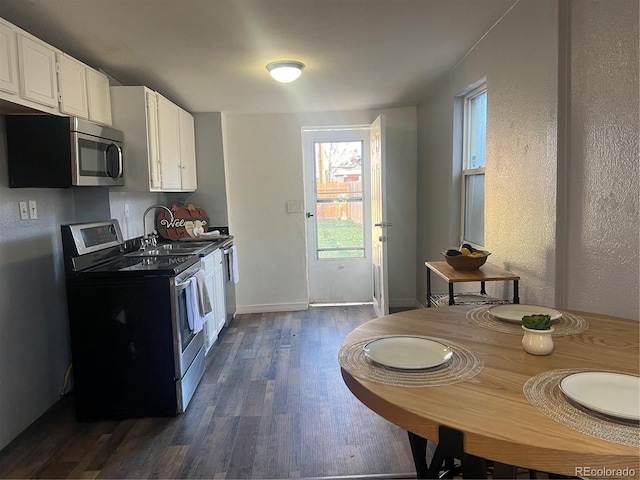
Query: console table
{"type": "Point", "coordinates": [486, 273]}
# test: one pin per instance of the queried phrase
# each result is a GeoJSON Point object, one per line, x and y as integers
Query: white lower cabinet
{"type": "Point", "coordinates": [214, 280]}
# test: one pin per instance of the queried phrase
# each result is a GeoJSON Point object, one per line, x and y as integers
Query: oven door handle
{"type": "Point", "coordinates": [183, 285]}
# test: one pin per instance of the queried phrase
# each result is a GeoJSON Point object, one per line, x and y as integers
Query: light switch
{"type": "Point", "coordinates": [294, 206]}
{"type": "Point", "coordinates": [24, 211]}
{"type": "Point", "coordinates": [33, 210]}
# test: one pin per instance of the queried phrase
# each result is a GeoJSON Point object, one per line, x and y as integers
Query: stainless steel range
{"type": "Point", "coordinates": [133, 352]}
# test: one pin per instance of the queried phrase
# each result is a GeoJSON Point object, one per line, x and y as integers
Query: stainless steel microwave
{"type": "Point", "coordinates": [52, 151]}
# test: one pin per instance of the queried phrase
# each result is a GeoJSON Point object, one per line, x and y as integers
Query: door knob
{"type": "Point", "coordinates": [309, 214]}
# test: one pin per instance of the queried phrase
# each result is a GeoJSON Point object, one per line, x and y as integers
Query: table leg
{"type": "Point", "coordinates": [419, 453]}
{"type": "Point", "coordinates": [516, 298]}
{"type": "Point", "coordinates": [451, 299]}
{"type": "Point", "coordinates": [428, 287]}
{"type": "Point", "coordinates": [483, 289]}
{"type": "Point", "coordinates": [451, 446]}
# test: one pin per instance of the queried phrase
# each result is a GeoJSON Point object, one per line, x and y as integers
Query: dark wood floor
{"type": "Point", "coordinates": [272, 404]}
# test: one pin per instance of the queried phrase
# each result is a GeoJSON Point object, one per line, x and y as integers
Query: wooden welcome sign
{"type": "Point", "coordinates": [187, 222]}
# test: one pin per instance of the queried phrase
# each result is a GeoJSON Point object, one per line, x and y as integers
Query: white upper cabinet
{"type": "Point", "coordinates": [153, 156]}
{"type": "Point", "coordinates": [40, 77]}
{"type": "Point", "coordinates": [169, 142]}
{"type": "Point", "coordinates": [37, 65]}
{"type": "Point", "coordinates": [99, 97]}
{"type": "Point", "coordinates": [84, 92]}
{"type": "Point", "coordinates": [8, 60]}
{"type": "Point", "coordinates": [159, 141]}
{"type": "Point", "coordinates": [188, 174]}
{"type": "Point", "coordinates": [72, 85]}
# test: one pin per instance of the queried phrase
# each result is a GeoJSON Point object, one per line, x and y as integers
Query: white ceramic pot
{"type": "Point", "coordinates": [537, 342]}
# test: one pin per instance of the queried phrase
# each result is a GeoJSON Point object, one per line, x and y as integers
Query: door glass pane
{"type": "Point", "coordinates": [474, 209]}
{"type": "Point", "coordinates": [339, 207]}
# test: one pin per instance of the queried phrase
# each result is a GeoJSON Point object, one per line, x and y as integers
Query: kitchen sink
{"type": "Point", "coordinates": [192, 248]}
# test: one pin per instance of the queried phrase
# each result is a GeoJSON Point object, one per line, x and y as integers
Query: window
{"type": "Point", "coordinates": [339, 199]}
{"type": "Point", "coordinates": [474, 135]}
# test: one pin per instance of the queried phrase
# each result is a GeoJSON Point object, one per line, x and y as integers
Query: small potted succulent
{"type": "Point", "coordinates": [537, 338]}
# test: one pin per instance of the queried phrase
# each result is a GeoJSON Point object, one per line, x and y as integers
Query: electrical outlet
{"type": "Point", "coordinates": [24, 211]}
{"type": "Point", "coordinates": [33, 210]}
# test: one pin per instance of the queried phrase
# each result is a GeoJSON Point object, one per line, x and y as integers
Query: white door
{"type": "Point", "coordinates": [72, 86]}
{"type": "Point", "coordinates": [378, 218]}
{"type": "Point", "coordinates": [169, 144]}
{"type": "Point", "coordinates": [155, 180]}
{"type": "Point", "coordinates": [8, 60]}
{"type": "Point", "coordinates": [37, 72]}
{"type": "Point", "coordinates": [338, 225]}
{"type": "Point", "coordinates": [99, 97]}
{"type": "Point", "coordinates": [188, 176]}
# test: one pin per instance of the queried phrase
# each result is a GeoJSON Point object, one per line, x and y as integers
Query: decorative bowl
{"type": "Point", "coordinates": [465, 262]}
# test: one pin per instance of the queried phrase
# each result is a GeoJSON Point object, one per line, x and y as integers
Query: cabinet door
{"type": "Point", "coordinates": [37, 64]}
{"type": "Point", "coordinates": [210, 330]}
{"type": "Point", "coordinates": [155, 180]}
{"type": "Point", "coordinates": [169, 144]}
{"type": "Point", "coordinates": [99, 97]}
{"type": "Point", "coordinates": [187, 151]}
{"type": "Point", "coordinates": [220, 307]}
{"type": "Point", "coordinates": [8, 60]}
{"type": "Point", "coordinates": [72, 85]}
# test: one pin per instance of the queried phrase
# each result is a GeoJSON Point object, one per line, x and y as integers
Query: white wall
{"type": "Point", "coordinates": [263, 156]}
{"type": "Point", "coordinates": [526, 204]}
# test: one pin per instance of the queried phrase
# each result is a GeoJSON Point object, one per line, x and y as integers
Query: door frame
{"type": "Point", "coordinates": [311, 136]}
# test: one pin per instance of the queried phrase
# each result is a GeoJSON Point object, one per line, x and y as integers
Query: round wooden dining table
{"type": "Point", "coordinates": [491, 411]}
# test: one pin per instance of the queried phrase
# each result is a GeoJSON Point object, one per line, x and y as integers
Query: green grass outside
{"type": "Point", "coordinates": [336, 233]}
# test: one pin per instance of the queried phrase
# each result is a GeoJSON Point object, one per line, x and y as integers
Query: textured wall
{"type": "Point", "coordinates": [566, 221]}
{"type": "Point", "coordinates": [602, 254]}
{"type": "Point", "coordinates": [34, 345]}
{"type": "Point", "coordinates": [519, 59]}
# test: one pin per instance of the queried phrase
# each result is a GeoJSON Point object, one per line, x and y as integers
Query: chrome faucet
{"type": "Point", "coordinates": [151, 239]}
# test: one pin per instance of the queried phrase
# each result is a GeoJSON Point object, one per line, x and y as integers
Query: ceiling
{"type": "Point", "coordinates": [210, 55]}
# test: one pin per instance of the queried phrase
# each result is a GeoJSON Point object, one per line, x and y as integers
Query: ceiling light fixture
{"type": "Point", "coordinates": [285, 71]}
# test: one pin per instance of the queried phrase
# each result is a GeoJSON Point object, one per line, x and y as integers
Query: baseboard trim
{"type": "Point", "coordinates": [272, 307]}
{"type": "Point", "coordinates": [403, 302]}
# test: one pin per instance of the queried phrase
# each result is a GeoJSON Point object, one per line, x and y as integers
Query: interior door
{"type": "Point", "coordinates": [378, 218]}
{"type": "Point", "coordinates": [338, 225]}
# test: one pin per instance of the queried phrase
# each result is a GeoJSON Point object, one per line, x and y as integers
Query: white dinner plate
{"type": "Point", "coordinates": [513, 312]}
{"type": "Point", "coordinates": [407, 353]}
{"type": "Point", "coordinates": [614, 394]}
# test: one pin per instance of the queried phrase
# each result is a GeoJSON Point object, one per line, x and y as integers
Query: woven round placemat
{"type": "Point", "coordinates": [568, 324]}
{"type": "Point", "coordinates": [463, 365]}
{"type": "Point", "coordinates": [543, 392]}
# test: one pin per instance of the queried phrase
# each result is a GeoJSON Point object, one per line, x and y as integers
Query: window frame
{"type": "Point", "coordinates": [472, 93]}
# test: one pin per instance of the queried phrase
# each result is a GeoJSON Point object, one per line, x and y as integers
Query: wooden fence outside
{"type": "Point", "coordinates": [340, 209]}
